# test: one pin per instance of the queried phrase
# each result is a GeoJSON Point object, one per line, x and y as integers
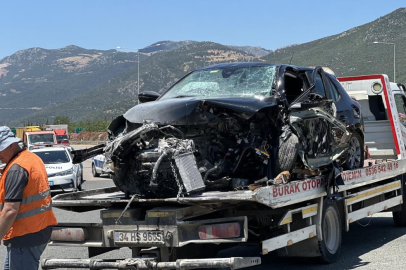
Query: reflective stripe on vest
{"type": "Point", "coordinates": [33, 212]}
{"type": "Point", "coordinates": [32, 198]}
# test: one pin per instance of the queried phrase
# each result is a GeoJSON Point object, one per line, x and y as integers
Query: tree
{"type": "Point", "coordinates": [61, 120]}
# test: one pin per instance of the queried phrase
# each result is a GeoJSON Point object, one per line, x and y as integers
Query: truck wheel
{"type": "Point", "coordinates": [355, 155]}
{"type": "Point", "coordinates": [287, 153]}
{"type": "Point", "coordinates": [399, 218]}
{"type": "Point", "coordinates": [330, 246]}
{"type": "Point", "coordinates": [94, 172]}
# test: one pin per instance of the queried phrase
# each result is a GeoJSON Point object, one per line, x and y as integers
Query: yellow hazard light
{"type": "Point", "coordinates": [376, 88]}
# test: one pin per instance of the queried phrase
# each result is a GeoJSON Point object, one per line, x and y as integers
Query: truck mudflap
{"type": "Point", "coordinates": [151, 263]}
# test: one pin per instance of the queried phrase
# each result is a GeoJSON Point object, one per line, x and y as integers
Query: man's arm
{"type": "Point", "coordinates": [16, 180]}
{"type": "Point", "coordinates": [8, 216]}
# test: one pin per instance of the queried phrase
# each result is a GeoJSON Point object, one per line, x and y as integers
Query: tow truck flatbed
{"type": "Point", "coordinates": [274, 196]}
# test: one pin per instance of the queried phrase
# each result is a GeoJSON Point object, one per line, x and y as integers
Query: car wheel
{"type": "Point", "coordinates": [94, 172]}
{"type": "Point", "coordinates": [355, 154]}
{"type": "Point", "coordinates": [287, 153]}
{"type": "Point", "coordinates": [79, 183]}
{"type": "Point", "coordinates": [330, 246]}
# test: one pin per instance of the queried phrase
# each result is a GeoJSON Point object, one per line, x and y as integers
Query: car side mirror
{"type": "Point", "coordinates": [148, 96]}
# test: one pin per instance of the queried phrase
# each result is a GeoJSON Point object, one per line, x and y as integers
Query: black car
{"type": "Point", "coordinates": [230, 125]}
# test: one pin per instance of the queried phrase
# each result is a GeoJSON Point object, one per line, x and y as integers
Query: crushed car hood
{"type": "Point", "coordinates": [191, 110]}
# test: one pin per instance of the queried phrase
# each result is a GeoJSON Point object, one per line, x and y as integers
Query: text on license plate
{"type": "Point", "coordinates": [139, 237]}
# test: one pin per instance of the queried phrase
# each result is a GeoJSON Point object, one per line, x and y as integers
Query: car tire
{"type": "Point", "coordinates": [94, 172]}
{"type": "Point", "coordinates": [287, 153]}
{"type": "Point", "coordinates": [330, 246]}
{"type": "Point", "coordinates": [355, 155]}
{"type": "Point", "coordinates": [79, 183]}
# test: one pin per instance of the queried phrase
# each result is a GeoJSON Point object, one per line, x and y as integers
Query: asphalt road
{"type": "Point", "coordinates": [377, 246]}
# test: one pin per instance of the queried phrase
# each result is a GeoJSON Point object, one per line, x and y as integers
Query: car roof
{"type": "Point", "coordinates": [39, 132]}
{"type": "Point", "coordinates": [49, 149]}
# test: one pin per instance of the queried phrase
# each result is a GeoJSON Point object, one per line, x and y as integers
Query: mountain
{"type": "Point", "coordinates": [256, 51]}
{"type": "Point", "coordinates": [166, 45]}
{"type": "Point", "coordinates": [157, 72]}
{"type": "Point", "coordinates": [38, 84]}
{"type": "Point", "coordinates": [36, 78]}
{"type": "Point", "coordinates": [353, 52]}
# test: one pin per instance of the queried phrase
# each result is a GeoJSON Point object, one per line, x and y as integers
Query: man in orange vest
{"type": "Point", "coordinates": [26, 216]}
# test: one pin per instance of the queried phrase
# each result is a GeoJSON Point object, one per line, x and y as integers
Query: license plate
{"type": "Point", "coordinates": [139, 237]}
{"type": "Point", "coordinates": [51, 183]}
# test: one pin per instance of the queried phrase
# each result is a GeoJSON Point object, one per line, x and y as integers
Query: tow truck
{"type": "Point", "coordinates": [300, 218]}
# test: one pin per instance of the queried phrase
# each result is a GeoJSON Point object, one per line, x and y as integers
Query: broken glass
{"type": "Point", "coordinates": [247, 82]}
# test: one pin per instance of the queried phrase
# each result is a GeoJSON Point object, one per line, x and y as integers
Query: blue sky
{"type": "Point", "coordinates": [107, 24]}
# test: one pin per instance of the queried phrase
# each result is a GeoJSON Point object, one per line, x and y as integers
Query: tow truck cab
{"type": "Point", "coordinates": [384, 112]}
{"type": "Point", "coordinates": [39, 138]}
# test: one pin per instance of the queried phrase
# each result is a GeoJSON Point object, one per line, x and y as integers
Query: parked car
{"type": "Point", "coordinates": [63, 175]}
{"type": "Point", "coordinates": [99, 166]}
{"type": "Point", "coordinates": [231, 125]}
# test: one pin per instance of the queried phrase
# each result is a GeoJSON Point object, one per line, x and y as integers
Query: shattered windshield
{"type": "Point", "coordinates": [236, 81]}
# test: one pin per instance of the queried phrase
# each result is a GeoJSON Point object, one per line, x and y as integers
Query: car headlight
{"type": "Point", "coordinates": [67, 172]}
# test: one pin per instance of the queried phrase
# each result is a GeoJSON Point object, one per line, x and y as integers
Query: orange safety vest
{"type": "Point", "coordinates": [35, 211]}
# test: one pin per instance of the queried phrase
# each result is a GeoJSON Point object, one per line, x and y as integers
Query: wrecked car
{"type": "Point", "coordinates": [228, 126]}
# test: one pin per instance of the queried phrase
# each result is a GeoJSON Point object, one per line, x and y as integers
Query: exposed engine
{"type": "Point", "coordinates": [163, 161]}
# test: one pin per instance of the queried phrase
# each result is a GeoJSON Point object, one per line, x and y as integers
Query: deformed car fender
{"type": "Point", "coordinates": [298, 116]}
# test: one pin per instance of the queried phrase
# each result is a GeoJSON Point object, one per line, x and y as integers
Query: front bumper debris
{"type": "Point", "coordinates": [151, 263]}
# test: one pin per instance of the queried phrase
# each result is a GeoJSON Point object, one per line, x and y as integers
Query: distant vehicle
{"type": "Point", "coordinates": [63, 139]}
{"type": "Point", "coordinates": [19, 131]}
{"type": "Point", "coordinates": [39, 138]}
{"type": "Point", "coordinates": [63, 175]}
{"type": "Point", "coordinates": [99, 166]}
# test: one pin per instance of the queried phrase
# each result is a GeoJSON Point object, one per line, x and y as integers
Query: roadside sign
{"type": "Point", "coordinates": [78, 129]}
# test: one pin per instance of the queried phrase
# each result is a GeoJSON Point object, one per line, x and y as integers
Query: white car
{"type": "Point", "coordinates": [99, 166]}
{"type": "Point", "coordinates": [63, 175]}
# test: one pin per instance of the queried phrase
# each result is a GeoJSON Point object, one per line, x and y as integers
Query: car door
{"type": "Point", "coordinates": [75, 167]}
{"type": "Point", "coordinates": [320, 131]}
{"type": "Point", "coordinates": [346, 110]}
